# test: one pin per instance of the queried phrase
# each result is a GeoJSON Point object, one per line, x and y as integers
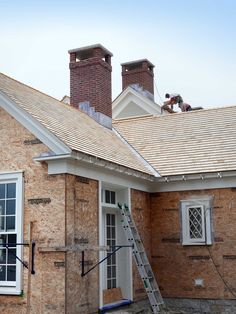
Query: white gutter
{"type": "Point", "coordinates": [97, 162]}
{"type": "Point", "coordinates": [202, 176]}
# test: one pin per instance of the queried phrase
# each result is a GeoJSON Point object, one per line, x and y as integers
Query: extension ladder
{"type": "Point", "coordinates": [141, 260]}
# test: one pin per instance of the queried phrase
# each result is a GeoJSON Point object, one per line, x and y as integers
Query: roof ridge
{"type": "Point", "coordinates": [169, 116]}
{"type": "Point", "coordinates": [133, 118]}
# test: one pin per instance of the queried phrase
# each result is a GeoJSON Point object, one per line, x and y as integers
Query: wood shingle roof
{"type": "Point", "coordinates": [72, 126]}
{"type": "Point", "coordinates": [185, 143]}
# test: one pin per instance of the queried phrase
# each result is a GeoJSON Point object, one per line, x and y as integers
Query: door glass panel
{"type": "Point", "coordinates": [111, 241]}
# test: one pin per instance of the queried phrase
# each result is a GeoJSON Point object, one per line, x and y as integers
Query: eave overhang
{"type": "Point", "coordinates": [98, 162]}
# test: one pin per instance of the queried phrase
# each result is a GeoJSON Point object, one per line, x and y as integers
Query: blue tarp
{"type": "Point", "coordinates": [114, 305]}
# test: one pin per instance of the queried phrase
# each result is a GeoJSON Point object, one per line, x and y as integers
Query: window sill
{"type": "Point", "coordinates": [194, 244]}
{"type": "Point", "coordinates": [9, 291]}
{"type": "Point", "coordinates": [109, 205]}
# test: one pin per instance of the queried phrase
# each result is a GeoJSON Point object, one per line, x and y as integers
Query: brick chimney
{"type": "Point", "coordinates": [90, 78]}
{"type": "Point", "coordinates": [138, 72]}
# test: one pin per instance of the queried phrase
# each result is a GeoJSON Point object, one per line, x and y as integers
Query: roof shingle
{"type": "Point", "coordinates": [185, 143]}
{"type": "Point", "coordinates": [73, 127]}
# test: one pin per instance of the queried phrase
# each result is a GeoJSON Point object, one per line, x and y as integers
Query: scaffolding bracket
{"type": "Point", "coordinates": [114, 250]}
{"type": "Point", "coordinates": [9, 246]}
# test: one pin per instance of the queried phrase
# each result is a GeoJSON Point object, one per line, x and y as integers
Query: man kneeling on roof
{"type": "Point", "coordinates": [173, 100]}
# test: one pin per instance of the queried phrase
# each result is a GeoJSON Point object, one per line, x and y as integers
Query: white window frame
{"type": "Point", "coordinates": [104, 198]}
{"type": "Point", "coordinates": [115, 254]}
{"type": "Point", "coordinates": [207, 230]}
{"type": "Point", "coordinates": [15, 288]}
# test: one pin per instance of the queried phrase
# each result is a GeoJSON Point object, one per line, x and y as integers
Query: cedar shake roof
{"type": "Point", "coordinates": [185, 143]}
{"type": "Point", "coordinates": [73, 127]}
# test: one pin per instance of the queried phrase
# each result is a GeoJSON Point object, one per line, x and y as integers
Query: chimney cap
{"type": "Point", "coordinates": [140, 61]}
{"type": "Point", "coordinates": [84, 51]}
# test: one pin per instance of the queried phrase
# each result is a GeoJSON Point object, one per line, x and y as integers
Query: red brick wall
{"type": "Point", "coordinates": [177, 266]}
{"type": "Point", "coordinates": [90, 80]}
{"type": "Point", "coordinates": [45, 293]}
{"type": "Point", "coordinates": [82, 293]}
{"type": "Point", "coordinates": [141, 214]}
{"type": "Point", "coordinates": [141, 75]}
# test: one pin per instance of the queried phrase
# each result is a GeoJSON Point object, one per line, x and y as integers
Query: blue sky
{"type": "Point", "coordinates": [191, 43]}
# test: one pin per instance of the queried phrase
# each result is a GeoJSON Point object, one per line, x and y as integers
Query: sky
{"type": "Point", "coordinates": [192, 43]}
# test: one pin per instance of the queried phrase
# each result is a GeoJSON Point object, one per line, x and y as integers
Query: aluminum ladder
{"type": "Point", "coordinates": [141, 260]}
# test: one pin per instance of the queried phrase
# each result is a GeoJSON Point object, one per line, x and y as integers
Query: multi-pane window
{"type": "Point", "coordinates": [7, 259]}
{"type": "Point", "coordinates": [111, 242]}
{"type": "Point", "coordinates": [196, 226]}
{"type": "Point", "coordinates": [10, 232]}
{"type": "Point", "coordinates": [7, 207]}
{"type": "Point", "coordinates": [109, 197]}
{"type": "Point", "coordinates": [196, 222]}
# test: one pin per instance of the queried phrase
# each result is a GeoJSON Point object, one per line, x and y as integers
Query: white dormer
{"type": "Point", "coordinates": [133, 102]}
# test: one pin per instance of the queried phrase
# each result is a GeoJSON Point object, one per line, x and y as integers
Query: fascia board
{"type": "Point", "coordinates": [217, 180]}
{"type": "Point", "coordinates": [31, 124]}
{"type": "Point", "coordinates": [95, 162]}
{"type": "Point", "coordinates": [144, 99]}
{"type": "Point", "coordinates": [197, 176]}
{"type": "Point", "coordinates": [96, 172]}
{"type": "Point", "coordinates": [191, 185]}
{"type": "Point", "coordinates": [53, 157]}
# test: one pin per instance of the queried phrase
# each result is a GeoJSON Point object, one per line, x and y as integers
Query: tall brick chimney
{"type": "Point", "coordinates": [90, 77]}
{"type": "Point", "coordinates": [138, 72]}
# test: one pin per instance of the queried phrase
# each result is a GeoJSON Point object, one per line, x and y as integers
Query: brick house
{"type": "Point", "coordinates": [64, 168]}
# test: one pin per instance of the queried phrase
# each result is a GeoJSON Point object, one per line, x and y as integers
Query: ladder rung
{"type": "Point", "coordinates": [141, 259]}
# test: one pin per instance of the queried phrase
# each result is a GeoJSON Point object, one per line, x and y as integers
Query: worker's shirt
{"type": "Point", "coordinates": [179, 99]}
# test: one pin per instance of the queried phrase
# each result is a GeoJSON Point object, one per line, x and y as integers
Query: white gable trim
{"type": "Point", "coordinates": [31, 124]}
{"type": "Point", "coordinates": [147, 165]}
{"type": "Point", "coordinates": [128, 95]}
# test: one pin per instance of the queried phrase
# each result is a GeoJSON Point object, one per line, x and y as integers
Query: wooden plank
{"type": "Point", "coordinates": [112, 295]}
{"type": "Point", "coordinates": [73, 248]}
{"type": "Point", "coordinates": [29, 268]}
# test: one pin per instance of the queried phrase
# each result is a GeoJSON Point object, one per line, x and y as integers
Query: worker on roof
{"type": "Point", "coordinates": [185, 107]}
{"type": "Point", "coordinates": [168, 105]}
{"type": "Point", "coordinates": [177, 99]}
